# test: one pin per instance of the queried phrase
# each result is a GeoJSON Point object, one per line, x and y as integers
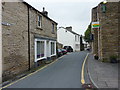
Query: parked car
{"type": "Point", "coordinates": [59, 52]}
{"type": "Point", "coordinates": [68, 48]}
{"type": "Point", "coordinates": [64, 51]}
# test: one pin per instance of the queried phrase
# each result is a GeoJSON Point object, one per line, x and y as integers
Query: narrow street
{"type": "Point", "coordinates": [60, 44]}
{"type": "Point", "coordinates": [64, 73]}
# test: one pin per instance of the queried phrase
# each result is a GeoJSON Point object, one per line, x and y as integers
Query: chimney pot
{"type": "Point", "coordinates": [43, 9]}
{"type": "Point", "coordinates": [45, 12]}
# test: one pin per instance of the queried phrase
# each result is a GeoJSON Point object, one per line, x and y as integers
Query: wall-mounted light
{"type": "Point", "coordinates": [105, 1]}
{"type": "Point", "coordinates": [104, 6]}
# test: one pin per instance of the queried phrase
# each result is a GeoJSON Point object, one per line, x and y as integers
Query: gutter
{"type": "Point", "coordinates": [39, 11]}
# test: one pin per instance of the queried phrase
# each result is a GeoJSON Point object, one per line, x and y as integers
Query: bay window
{"type": "Point", "coordinates": [44, 49]}
{"type": "Point", "coordinates": [40, 49]}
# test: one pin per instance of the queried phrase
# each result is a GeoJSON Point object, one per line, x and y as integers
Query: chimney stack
{"type": "Point", "coordinates": [69, 28]}
{"type": "Point", "coordinates": [45, 12]}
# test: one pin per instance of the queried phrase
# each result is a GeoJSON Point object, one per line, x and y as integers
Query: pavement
{"type": "Point", "coordinates": [102, 75]}
{"type": "Point", "coordinates": [64, 73]}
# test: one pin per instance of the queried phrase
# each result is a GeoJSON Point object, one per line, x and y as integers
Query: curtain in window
{"type": "Point", "coordinates": [52, 48]}
{"type": "Point", "coordinates": [40, 49]}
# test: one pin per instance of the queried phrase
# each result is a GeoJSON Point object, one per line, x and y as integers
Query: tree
{"type": "Point", "coordinates": [87, 34]}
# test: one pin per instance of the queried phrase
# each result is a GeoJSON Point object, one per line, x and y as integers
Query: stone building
{"type": "Point", "coordinates": [28, 37]}
{"type": "Point", "coordinates": [59, 45]}
{"type": "Point", "coordinates": [106, 37]}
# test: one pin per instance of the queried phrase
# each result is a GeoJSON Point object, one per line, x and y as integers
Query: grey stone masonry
{"type": "Point", "coordinates": [106, 37]}
{"type": "Point", "coordinates": [19, 28]}
{"type": "Point", "coordinates": [14, 39]}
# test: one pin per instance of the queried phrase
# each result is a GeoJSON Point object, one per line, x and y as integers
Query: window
{"type": "Point", "coordinates": [103, 8]}
{"type": "Point", "coordinates": [53, 48]}
{"type": "Point", "coordinates": [78, 38]}
{"type": "Point", "coordinates": [40, 49]}
{"type": "Point", "coordinates": [75, 38]}
{"type": "Point", "coordinates": [53, 27]}
{"type": "Point", "coordinates": [39, 21]}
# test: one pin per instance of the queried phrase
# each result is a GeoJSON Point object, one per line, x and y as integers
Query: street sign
{"type": "Point", "coordinates": [95, 25]}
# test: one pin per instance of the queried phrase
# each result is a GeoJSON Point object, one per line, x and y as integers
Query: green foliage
{"type": "Point", "coordinates": [113, 57]}
{"type": "Point", "coordinates": [105, 60]}
{"type": "Point", "coordinates": [87, 34]}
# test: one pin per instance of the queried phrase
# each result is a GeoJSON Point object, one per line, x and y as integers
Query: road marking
{"type": "Point", "coordinates": [32, 73]}
{"type": "Point", "coordinates": [92, 80]}
{"type": "Point", "coordinates": [82, 73]}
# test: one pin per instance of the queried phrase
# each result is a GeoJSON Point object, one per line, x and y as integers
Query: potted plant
{"type": "Point", "coordinates": [113, 59]}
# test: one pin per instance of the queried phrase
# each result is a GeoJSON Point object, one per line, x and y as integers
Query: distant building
{"type": "Point", "coordinates": [67, 37]}
{"type": "Point", "coordinates": [29, 37]}
{"type": "Point", "coordinates": [106, 37]}
{"type": "Point", "coordinates": [59, 45]}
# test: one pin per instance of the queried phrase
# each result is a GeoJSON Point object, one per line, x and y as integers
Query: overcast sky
{"type": "Point", "coordinates": [75, 13]}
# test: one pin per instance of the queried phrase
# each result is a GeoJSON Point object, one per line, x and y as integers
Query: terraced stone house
{"type": "Point", "coordinates": [28, 37]}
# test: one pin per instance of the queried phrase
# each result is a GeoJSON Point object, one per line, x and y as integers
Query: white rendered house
{"type": "Point", "coordinates": [67, 37]}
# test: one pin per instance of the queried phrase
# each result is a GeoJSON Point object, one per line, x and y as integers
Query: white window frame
{"type": "Point", "coordinates": [37, 59]}
{"type": "Point", "coordinates": [54, 48]}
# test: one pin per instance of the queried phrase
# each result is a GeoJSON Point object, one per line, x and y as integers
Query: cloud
{"type": "Point", "coordinates": [68, 13]}
{"type": "Point", "coordinates": [68, 1]}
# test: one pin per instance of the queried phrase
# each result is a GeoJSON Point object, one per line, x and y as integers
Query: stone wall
{"type": "Point", "coordinates": [119, 31]}
{"type": "Point", "coordinates": [108, 32]}
{"type": "Point", "coordinates": [15, 36]}
{"type": "Point", "coordinates": [14, 39]}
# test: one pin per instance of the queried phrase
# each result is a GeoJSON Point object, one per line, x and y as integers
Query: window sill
{"type": "Point", "coordinates": [39, 28]}
{"type": "Point", "coordinates": [53, 55]}
{"type": "Point", "coordinates": [53, 32]}
{"type": "Point", "coordinates": [41, 58]}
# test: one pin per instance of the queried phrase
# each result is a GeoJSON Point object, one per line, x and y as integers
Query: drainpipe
{"type": "Point", "coordinates": [28, 40]}
{"type": "Point", "coordinates": [1, 47]}
{"type": "Point", "coordinates": [80, 43]}
{"type": "Point", "coordinates": [81, 47]}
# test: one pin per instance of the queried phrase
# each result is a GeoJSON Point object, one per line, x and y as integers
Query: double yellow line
{"type": "Point", "coordinates": [82, 72]}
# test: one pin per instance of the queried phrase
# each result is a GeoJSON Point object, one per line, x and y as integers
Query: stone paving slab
{"type": "Point", "coordinates": [103, 75]}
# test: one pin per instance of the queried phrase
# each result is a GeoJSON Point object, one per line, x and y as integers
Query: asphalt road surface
{"type": "Point", "coordinates": [64, 73]}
